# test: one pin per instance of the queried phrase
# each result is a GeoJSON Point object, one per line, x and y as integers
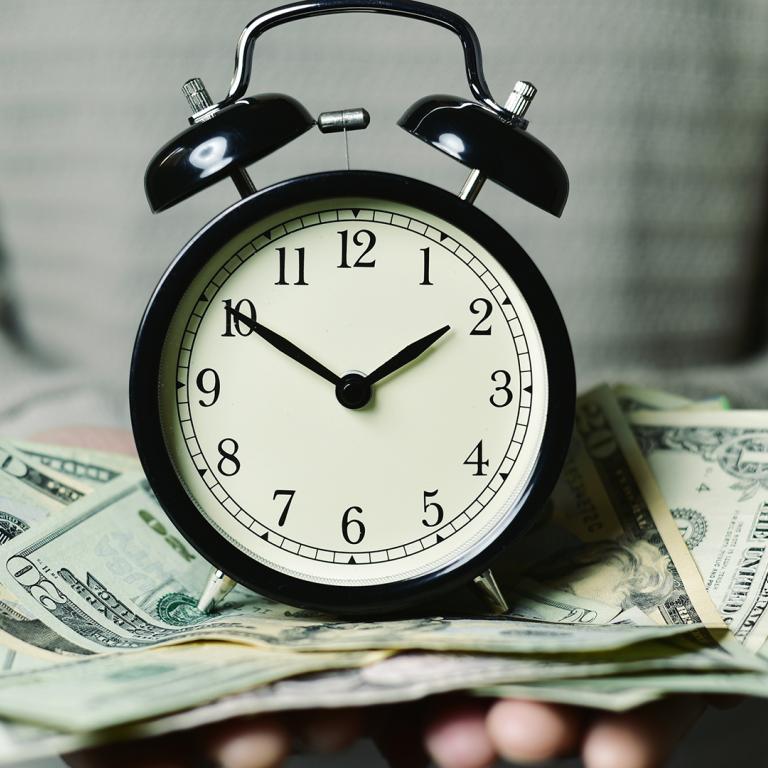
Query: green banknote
{"type": "Point", "coordinates": [111, 573]}
{"type": "Point", "coordinates": [30, 490]}
{"type": "Point", "coordinates": [84, 464]}
{"type": "Point", "coordinates": [611, 613]}
{"type": "Point", "coordinates": [632, 398]}
{"type": "Point", "coordinates": [113, 690]}
{"type": "Point", "coordinates": [626, 692]}
{"type": "Point", "coordinates": [607, 533]}
{"type": "Point", "coordinates": [713, 471]}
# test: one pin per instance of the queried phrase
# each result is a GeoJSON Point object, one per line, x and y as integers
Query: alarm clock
{"type": "Point", "coordinates": [352, 390]}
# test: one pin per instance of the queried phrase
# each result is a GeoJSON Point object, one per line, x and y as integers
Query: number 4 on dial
{"type": "Point", "coordinates": [478, 462]}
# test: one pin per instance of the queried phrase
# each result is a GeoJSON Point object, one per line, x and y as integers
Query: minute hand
{"type": "Point", "coordinates": [286, 347]}
{"type": "Point", "coordinates": [406, 355]}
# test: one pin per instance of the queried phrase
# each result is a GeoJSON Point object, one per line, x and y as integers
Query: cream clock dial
{"type": "Point", "coordinates": [351, 391]}
{"type": "Point", "coordinates": [417, 471]}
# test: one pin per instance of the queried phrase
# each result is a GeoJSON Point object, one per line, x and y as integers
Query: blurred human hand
{"type": "Point", "coordinates": [454, 732]}
{"type": "Point", "coordinates": [473, 734]}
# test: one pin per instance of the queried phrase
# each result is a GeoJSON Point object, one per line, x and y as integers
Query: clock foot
{"type": "Point", "coordinates": [218, 587]}
{"type": "Point", "coordinates": [489, 591]}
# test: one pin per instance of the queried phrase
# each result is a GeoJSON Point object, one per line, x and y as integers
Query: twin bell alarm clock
{"type": "Point", "coordinates": [352, 390]}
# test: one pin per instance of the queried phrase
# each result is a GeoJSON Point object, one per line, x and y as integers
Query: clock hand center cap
{"type": "Point", "coordinates": [353, 390]}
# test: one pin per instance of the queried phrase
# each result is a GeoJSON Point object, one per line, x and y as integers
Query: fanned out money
{"type": "Point", "coordinates": [646, 575]}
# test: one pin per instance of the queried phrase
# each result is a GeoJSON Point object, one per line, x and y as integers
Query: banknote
{"type": "Point", "coordinates": [530, 599]}
{"type": "Point", "coordinates": [112, 689]}
{"type": "Point", "coordinates": [576, 693]}
{"type": "Point", "coordinates": [415, 675]}
{"type": "Point", "coordinates": [632, 398]}
{"type": "Point", "coordinates": [111, 573]}
{"type": "Point", "coordinates": [607, 534]}
{"type": "Point", "coordinates": [186, 686]}
{"type": "Point", "coordinates": [23, 479]}
{"type": "Point", "coordinates": [14, 660]}
{"type": "Point", "coordinates": [633, 616]}
{"type": "Point", "coordinates": [620, 692]}
{"type": "Point", "coordinates": [20, 742]}
{"type": "Point", "coordinates": [87, 465]}
{"type": "Point", "coordinates": [30, 490]}
{"type": "Point", "coordinates": [713, 471]}
{"type": "Point", "coordinates": [612, 606]}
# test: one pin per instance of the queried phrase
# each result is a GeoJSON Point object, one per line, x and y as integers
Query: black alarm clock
{"type": "Point", "coordinates": [350, 391]}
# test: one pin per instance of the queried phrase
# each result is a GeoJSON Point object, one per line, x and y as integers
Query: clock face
{"type": "Point", "coordinates": [379, 482]}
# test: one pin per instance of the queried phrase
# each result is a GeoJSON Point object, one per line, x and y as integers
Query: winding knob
{"type": "Point", "coordinates": [520, 99]}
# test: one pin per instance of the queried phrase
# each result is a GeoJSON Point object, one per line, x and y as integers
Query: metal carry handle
{"type": "Point", "coordinates": [304, 10]}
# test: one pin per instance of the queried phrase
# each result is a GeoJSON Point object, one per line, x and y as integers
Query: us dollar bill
{"type": "Point", "coordinates": [20, 742]}
{"type": "Point", "coordinates": [632, 398]}
{"type": "Point", "coordinates": [12, 659]}
{"type": "Point", "coordinates": [529, 599]}
{"type": "Point", "coordinates": [607, 533]}
{"type": "Point", "coordinates": [713, 471]}
{"type": "Point", "coordinates": [108, 690]}
{"type": "Point", "coordinates": [84, 464]}
{"type": "Point", "coordinates": [182, 687]}
{"type": "Point", "coordinates": [112, 573]}
{"type": "Point", "coordinates": [576, 693]}
{"type": "Point", "coordinates": [25, 480]}
{"type": "Point", "coordinates": [415, 675]}
{"type": "Point", "coordinates": [30, 491]}
{"type": "Point", "coordinates": [619, 693]}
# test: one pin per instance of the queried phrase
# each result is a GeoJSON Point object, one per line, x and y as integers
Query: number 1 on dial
{"type": "Point", "coordinates": [425, 280]}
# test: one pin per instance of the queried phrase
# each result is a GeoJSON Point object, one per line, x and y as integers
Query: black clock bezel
{"type": "Point", "coordinates": [145, 394]}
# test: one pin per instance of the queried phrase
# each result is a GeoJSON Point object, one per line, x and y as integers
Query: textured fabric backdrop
{"type": "Point", "coordinates": [658, 111]}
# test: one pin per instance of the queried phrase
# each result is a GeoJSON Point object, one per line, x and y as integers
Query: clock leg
{"type": "Point", "coordinates": [218, 587]}
{"type": "Point", "coordinates": [489, 591]}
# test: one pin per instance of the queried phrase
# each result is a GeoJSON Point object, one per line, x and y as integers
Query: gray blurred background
{"type": "Point", "coordinates": [658, 110]}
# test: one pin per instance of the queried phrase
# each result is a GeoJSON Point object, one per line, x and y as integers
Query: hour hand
{"type": "Point", "coordinates": [406, 355]}
{"type": "Point", "coordinates": [286, 347]}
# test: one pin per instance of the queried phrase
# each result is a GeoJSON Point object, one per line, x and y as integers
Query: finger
{"type": "Point", "coordinates": [97, 438]}
{"type": "Point", "coordinates": [456, 736]}
{"type": "Point", "coordinates": [642, 738]}
{"type": "Point", "coordinates": [261, 742]}
{"type": "Point", "coordinates": [531, 731]}
{"type": "Point", "coordinates": [327, 731]}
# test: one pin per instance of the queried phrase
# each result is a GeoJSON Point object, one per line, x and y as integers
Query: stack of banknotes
{"type": "Point", "coordinates": [646, 575]}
